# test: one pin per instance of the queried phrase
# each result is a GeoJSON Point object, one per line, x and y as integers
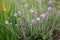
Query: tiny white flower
{"type": "Point", "coordinates": [19, 12]}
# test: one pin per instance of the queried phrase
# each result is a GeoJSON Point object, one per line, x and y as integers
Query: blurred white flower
{"type": "Point", "coordinates": [31, 11]}
{"type": "Point", "coordinates": [25, 5]}
{"type": "Point", "coordinates": [15, 14]}
{"type": "Point", "coordinates": [6, 22]}
{"type": "Point", "coordinates": [19, 12]}
{"type": "Point", "coordinates": [50, 2]}
{"type": "Point", "coordinates": [35, 12]}
{"type": "Point", "coordinates": [10, 23]}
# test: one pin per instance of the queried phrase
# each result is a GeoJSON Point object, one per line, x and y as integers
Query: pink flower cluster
{"type": "Point", "coordinates": [33, 11]}
{"type": "Point", "coordinates": [39, 18]}
{"type": "Point", "coordinates": [7, 22]}
{"type": "Point", "coordinates": [15, 15]}
{"type": "Point", "coordinates": [18, 13]}
{"type": "Point", "coordinates": [35, 20]}
{"type": "Point", "coordinates": [51, 9]}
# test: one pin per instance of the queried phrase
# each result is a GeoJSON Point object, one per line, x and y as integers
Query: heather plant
{"type": "Point", "coordinates": [29, 19]}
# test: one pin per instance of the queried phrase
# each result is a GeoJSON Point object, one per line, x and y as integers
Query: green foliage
{"type": "Point", "coordinates": [22, 28]}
